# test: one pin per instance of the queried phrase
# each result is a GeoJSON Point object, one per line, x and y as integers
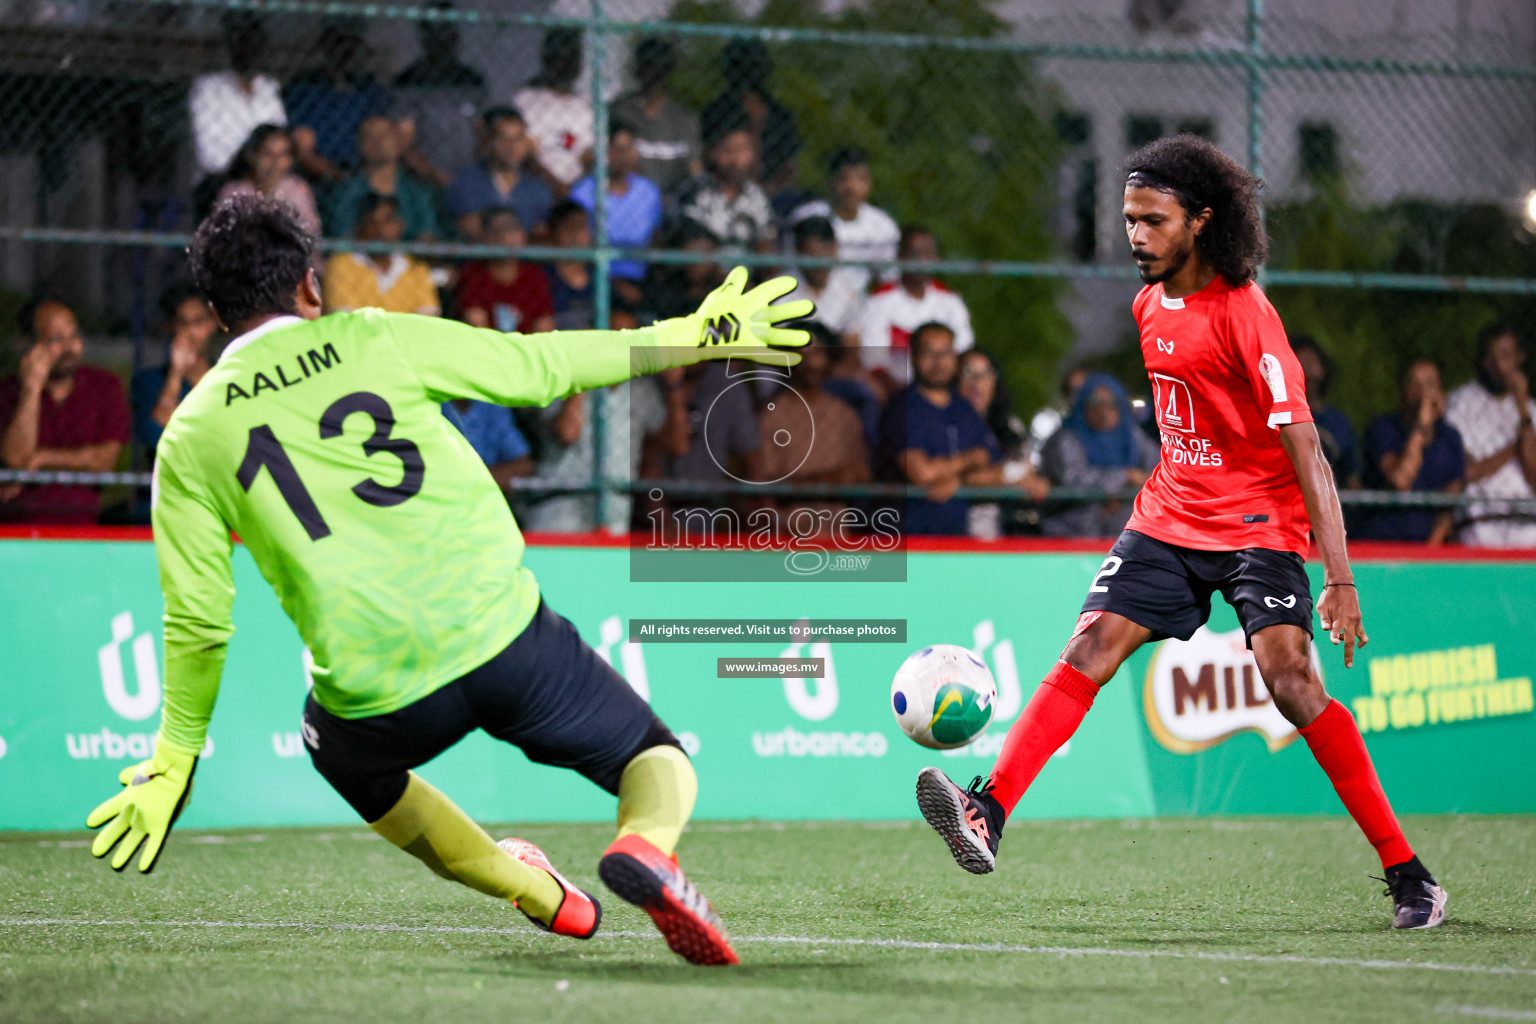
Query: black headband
{"type": "Point", "coordinates": [1148, 179]}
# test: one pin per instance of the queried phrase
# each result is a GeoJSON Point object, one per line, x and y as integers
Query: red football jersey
{"type": "Point", "coordinates": [1224, 380]}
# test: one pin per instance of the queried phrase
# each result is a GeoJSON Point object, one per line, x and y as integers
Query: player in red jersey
{"type": "Point", "coordinates": [1241, 484]}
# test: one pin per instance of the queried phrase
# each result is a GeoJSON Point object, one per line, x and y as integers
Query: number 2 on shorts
{"type": "Point", "coordinates": [1111, 566]}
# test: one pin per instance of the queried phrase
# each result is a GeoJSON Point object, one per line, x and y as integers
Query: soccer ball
{"type": "Point", "coordinates": [943, 696]}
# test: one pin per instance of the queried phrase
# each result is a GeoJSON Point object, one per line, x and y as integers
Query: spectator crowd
{"type": "Point", "coordinates": [894, 388]}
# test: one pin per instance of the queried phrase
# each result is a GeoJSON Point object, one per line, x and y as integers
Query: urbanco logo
{"type": "Point", "coordinates": [814, 706]}
{"type": "Point", "coordinates": [145, 701]}
{"type": "Point", "coordinates": [1202, 691]}
{"type": "Point", "coordinates": [136, 706]}
{"type": "Point", "coordinates": [631, 655]}
{"type": "Point", "coordinates": [1010, 695]}
{"type": "Point", "coordinates": [1005, 669]}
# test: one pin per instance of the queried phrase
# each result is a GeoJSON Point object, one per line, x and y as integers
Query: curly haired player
{"type": "Point", "coordinates": [1241, 485]}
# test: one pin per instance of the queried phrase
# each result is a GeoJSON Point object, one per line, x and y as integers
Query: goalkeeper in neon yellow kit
{"type": "Point", "coordinates": [321, 443]}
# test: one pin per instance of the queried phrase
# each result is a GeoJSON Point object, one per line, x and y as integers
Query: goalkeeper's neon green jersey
{"type": "Point", "coordinates": [322, 444]}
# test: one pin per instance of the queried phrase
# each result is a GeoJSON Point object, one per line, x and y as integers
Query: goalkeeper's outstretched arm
{"type": "Point", "coordinates": [454, 360]}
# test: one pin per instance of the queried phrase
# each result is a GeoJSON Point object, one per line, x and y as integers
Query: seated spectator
{"type": "Point", "coordinates": [837, 291]}
{"type": "Point", "coordinates": [1414, 449]}
{"type": "Point", "coordinates": [633, 209]}
{"type": "Point", "coordinates": [980, 383]}
{"type": "Point", "coordinates": [666, 132]}
{"type": "Point", "coordinates": [158, 390]}
{"type": "Point", "coordinates": [1333, 427]}
{"type": "Point", "coordinates": [381, 173]}
{"type": "Point", "coordinates": [265, 164]}
{"type": "Point", "coordinates": [437, 102]}
{"type": "Point", "coordinates": [570, 281]}
{"type": "Point", "coordinates": [632, 411]}
{"type": "Point", "coordinates": [498, 180]}
{"type": "Point", "coordinates": [58, 413]}
{"type": "Point", "coordinates": [748, 103]}
{"type": "Point", "coordinates": [227, 106]}
{"type": "Point", "coordinates": [726, 201]}
{"type": "Point", "coordinates": [390, 281]}
{"type": "Point", "coordinates": [506, 294]}
{"type": "Point", "coordinates": [1097, 448]}
{"type": "Point", "coordinates": [895, 310]}
{"type": "Point", "coordinates": [724, 442]}
{"type": "Point", "coordinates": [328, 104]}
{"type": "Point", "coordinates": [559, 118]}
{"type": "Point", "coordinates": [672, 291]}
{"type": "Point", "coordinates": [815, 440]}
{"type": "Point", "coordinates": [494, 436]}
{"type": "Point", "coordinates": [1493, 413]}
{"type": "Point", "coordinates": [864, 232]}
{"type": "Point", "coordinates": [847, 379]}
{"type": "Point", "coordinates": [933, 439]}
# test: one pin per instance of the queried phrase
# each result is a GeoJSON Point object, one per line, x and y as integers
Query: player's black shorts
{"type": "Point", "coordinates": [1168, 589]}
{"type": "Point", "coordinates": [547, 693]}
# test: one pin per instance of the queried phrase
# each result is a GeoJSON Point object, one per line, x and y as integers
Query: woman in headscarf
{"type": "Point", "coordinates": [1098, 447]}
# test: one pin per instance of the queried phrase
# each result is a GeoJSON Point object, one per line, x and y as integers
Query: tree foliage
{"type": "Point", "coordinates": [1374, 333]}
{"type": "Point", "coordinates": [960, 141]}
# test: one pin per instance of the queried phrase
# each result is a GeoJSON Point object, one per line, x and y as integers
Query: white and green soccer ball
{"type": "Point", "coordinates": [943, 696]}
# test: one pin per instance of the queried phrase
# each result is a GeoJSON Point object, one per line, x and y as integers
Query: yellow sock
{"type": "Point", "coordinates": [431, 828]}
{"type": "Point", "coordinates": [656, 795]}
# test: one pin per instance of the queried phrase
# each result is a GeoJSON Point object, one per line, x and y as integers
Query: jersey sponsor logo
{"type": "Point", "coordinates": [1165, 346]}
{"type": "Point", "coordinates": [1175, 407]}
{"type": "Point", "coordinates": [1280, 602]}
{"type": "Point", "coordinates": [720, 330]}
{"type": "Point", "coordinates": [1190, 451]}
{"type": "Point", "coordinates": [1203, 691]}
{"type": "Point", "coordinates": [1274, 376]}
{"type": "Point", "coordinates": [308, 364]}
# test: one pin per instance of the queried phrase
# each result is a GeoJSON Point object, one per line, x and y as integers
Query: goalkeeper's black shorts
{"type": "Point", "coordinates": [547, 693]}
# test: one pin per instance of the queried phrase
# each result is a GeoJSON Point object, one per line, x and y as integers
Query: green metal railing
{"type": "Point", "coordinates": [1252, 58]}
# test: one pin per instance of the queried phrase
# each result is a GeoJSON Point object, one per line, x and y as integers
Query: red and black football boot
{"type": "Point", "coordinates": [579, 913]}
{"type": "Point", "coordinates": [970, 820]}
{"type": "Point", "coordinates": [641, 874]}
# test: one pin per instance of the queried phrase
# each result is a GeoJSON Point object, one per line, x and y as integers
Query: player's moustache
{"type": "Point", "coordinates": [1142, 256]}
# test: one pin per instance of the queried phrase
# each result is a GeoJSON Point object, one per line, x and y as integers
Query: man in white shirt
{"type": "Point", "coordinates": [725, 200]}
{"type": "Point", "coordinates": [837, 291]}
{"type": "Point", "coordinates": [915, 298]}
{"type": "Point", "coordinates": [227, 106]}
{"type": "Point", "coordinates": [1494, 414]}
{"type": "Point", "coordinates": [864, 232]}
{"type": "Point", "coordinates": [559, 119]}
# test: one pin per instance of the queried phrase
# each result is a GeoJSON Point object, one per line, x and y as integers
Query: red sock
{"type": "Point", "coordinates": [1336, 743]}
{"type": "Point", "coordinates": [1049, 720]}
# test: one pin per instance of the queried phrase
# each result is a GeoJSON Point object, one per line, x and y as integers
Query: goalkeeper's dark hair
{"type": "Point", "coordinates": [1199, 175]}
{"type": "Point", "coordinates": [249, 257]}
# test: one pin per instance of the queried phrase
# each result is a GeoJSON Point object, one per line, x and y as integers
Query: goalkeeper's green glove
{"type": "Point", "coordinates": [731, 323]}
{"type": "Point", "coordinates": [156, 792]}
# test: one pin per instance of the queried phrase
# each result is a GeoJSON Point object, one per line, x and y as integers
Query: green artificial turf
{"type": "Point", "coordinates": [336, 925]}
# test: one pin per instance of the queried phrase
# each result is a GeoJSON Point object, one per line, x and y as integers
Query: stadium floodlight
{"type": "Point", "coordinates": [1528, 208]}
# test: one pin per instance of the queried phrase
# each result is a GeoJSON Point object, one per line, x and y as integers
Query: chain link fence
{"type": "Point", "coordinates": [1398, 158]}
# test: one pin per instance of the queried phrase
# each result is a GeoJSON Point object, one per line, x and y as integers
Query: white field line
{"type": "Point", "coordinates": [1489, 1012]}
{"type": "Point", "coordinates": [797, 940]}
